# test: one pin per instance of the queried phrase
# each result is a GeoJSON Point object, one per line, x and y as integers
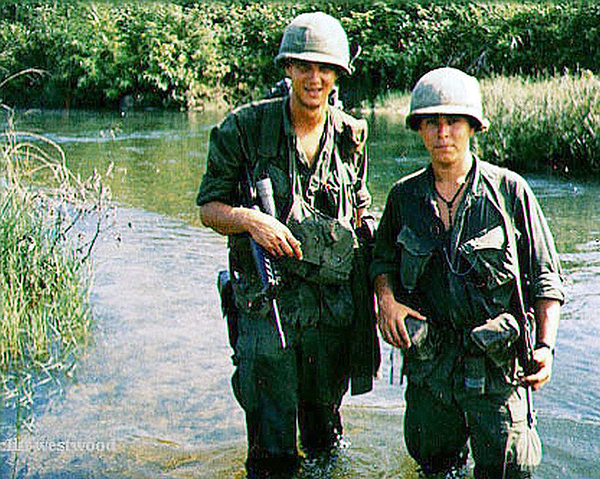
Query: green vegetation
{"type": "Point", "coordinates": [546, 124]}
{"type": "Point", "coordinates": [46, 236]}
{"type": "Point", "coordinates": [188, 54]}
{"type": "Point", "coordinates": [194, 54]}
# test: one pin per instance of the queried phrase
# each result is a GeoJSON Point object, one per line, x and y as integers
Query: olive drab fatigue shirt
{"type": "Point", "coordinates": [460, 278]}
{"type": "Point", "coordinates": [259, 138]}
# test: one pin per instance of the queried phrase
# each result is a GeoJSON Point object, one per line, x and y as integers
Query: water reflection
{"type": "Point", "coordinates": [155, 383]}
{"type": "Point", "coordinates": [157, 156]}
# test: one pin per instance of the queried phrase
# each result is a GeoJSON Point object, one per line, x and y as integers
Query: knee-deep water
{"type": "Point", "coordinates": [151, 396]}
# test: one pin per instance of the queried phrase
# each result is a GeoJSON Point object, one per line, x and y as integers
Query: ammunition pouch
{"type": "Point", "coordinates": [415, 253]}
{"type": "Point", "coordinates": [496, 337]}
{"type": "Point", "coordinates": [327, 247]}
{"type": "Point", "coordinates": [228, 307]}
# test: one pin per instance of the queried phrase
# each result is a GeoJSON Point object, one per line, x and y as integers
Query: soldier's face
{"type": "Point", "coordinates": [446, 137]}
{"type": "Point", "coordinates": [311, 82]}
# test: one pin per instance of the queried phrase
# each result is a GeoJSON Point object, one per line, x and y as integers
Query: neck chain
{"type": "Point", "coordinates": [450, 204]}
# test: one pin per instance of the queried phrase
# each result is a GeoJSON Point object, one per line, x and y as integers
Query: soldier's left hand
{"type": "Point", "coordinates": [543, 359]}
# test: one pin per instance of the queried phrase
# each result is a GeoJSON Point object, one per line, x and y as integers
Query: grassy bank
{"type": "Point", "coordinates": [49, 222]}
{"type": "Point", "coordinates": [546, 124]}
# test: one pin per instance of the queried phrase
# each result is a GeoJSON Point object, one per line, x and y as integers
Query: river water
{"type": "Point", "coordinates": [151, 397]}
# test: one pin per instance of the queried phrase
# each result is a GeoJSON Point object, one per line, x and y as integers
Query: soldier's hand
{"type": "Point", "coordinates": [273, 236]}
{"type": "Point", "coordinates": [391, 316]}
{"type": "Point", "coordinates": [543, 359]}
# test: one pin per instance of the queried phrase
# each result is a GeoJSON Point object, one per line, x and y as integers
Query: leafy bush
{"type": "Point", "coordinates": [188, 54]}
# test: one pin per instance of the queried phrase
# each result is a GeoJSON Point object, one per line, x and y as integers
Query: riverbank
{"type": "Point", "coordinates": [185, 54]}
{"type": "Point", "coordinates": [549, 124]}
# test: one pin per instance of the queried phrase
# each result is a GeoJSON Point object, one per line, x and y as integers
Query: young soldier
{"type": "Point", "coordinates": [461, 252]}
{"type": "Point", "coordinates": [314, 155]}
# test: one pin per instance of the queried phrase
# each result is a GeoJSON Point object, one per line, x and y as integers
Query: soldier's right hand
{"type": "Point", "coordinates": [273, 235]}
{"type": "Point", "coordinates": [391, 317]}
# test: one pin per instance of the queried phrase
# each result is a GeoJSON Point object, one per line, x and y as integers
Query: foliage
{"type": "Point", "coordinates": [188, 54]}
{"type": "Point", "coordinates": [551, 123]}
{"type": "Point", "coordinates": [46, 236]}
{"type": "Point", "coordinates": [536, 124]}
{"type": "Point", "coordinates": [99, 55]}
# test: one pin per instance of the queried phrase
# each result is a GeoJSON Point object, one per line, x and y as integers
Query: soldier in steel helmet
{"type": "Point", "coordinates": [314, 155]}
{"type": "Point", "coordinates": [465, 268]}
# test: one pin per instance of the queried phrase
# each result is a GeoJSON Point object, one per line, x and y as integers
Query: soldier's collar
{"type": "Point", "coordinates": [336, 120]}
{"type": "Point", "coordinates": [475, 187]}
{"type": "Point", "coordinates": [473, 180]}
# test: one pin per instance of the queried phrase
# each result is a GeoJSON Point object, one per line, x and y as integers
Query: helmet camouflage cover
{"type": "Point", "coordinates": [315, 37]}
{"type": "Point", "coordinates": [446, 91]}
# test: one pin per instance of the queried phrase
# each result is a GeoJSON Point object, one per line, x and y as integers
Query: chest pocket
{"type": "Point", "coordinates": [415, 252]}
{"type": "Point", "coordinates": [489, 255]}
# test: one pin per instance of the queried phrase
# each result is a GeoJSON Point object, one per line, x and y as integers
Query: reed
{"type": "Point", "coordinates": [549, 124]}
{"type": "Point", "coordinates": [49, 222]}
{"type": "Point", "coordinates": [544, 123]}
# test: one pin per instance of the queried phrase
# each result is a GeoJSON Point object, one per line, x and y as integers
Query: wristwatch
{"type": "Point", "coordinates": [542, 344]}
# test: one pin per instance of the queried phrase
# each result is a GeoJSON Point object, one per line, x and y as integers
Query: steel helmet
{"type": "Point", "coordinates": [446, 91]}
{"type": "Point", "coordinates": [315, 37]}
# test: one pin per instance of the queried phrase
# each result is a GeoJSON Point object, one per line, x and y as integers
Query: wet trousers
{"type": "Point", "coordinates": [502, 444]}
{"type": "Point", "coordinates": [279, 390]}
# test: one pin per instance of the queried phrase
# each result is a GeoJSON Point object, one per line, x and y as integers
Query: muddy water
{"type": "Point", "coordinates": [151, 397]}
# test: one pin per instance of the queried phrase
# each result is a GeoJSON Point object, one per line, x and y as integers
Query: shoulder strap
{"type": "Point", "coordinates": [355, 128]}
{"type": "Point", "coordinates": [526, 324]}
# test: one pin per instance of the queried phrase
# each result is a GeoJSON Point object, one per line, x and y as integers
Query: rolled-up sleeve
{"type": "Point", "coordinates": [545, 276]}
{"type": "Point", "coordinates": [226, 157]}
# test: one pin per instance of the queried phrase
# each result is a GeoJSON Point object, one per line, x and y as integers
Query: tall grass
{"type": "Point", "coordinates": [49, 223]}
{"type": "Point", "coordinates": [544, 124]}
{"type": "Point", "coordinates": [536, 124]}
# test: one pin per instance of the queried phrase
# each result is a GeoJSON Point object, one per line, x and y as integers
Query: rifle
{"type": "Point", "coordinates": [527, 347]}
{"type": "Point", "coordinates": [263, 261]}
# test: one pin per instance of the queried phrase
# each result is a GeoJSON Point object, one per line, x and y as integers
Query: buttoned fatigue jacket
{"type": "Point", "coordinates": [462, 277]}
{"type": "Point", "coordinates": [259, 138]}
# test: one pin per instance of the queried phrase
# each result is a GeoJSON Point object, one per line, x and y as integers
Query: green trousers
{"type": "Point", "coordinates": [502, 444]}
{"type": "Point", "coordinates": [279, 388]}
